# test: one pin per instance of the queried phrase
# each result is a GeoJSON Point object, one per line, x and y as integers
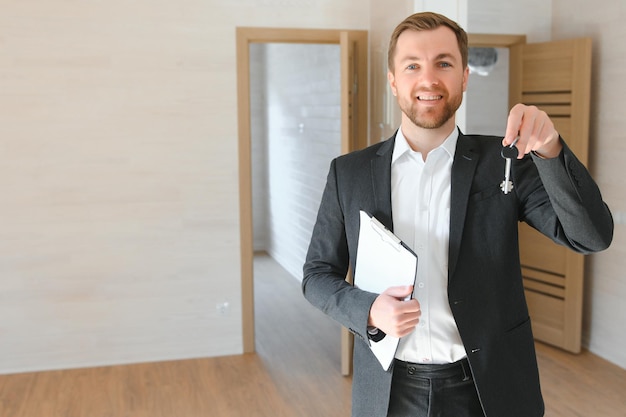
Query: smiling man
{"type": "Point", "coordinates": [466, 346]}
{"type": "Point", "coordinates": [429, 87]}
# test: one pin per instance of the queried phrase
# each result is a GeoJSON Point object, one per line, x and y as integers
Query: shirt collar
{"type": "Point", "coordinates": [401, 146]}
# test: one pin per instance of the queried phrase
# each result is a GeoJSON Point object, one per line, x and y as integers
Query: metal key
{"type": "Point", "coordinates": [508, 153]}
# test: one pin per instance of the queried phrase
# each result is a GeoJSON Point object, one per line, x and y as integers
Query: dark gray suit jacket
{"type": "Point", "coordinates": [558, 197]}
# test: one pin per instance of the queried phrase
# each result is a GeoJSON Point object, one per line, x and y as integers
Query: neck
{"type": "Point", "coordinates": [425, 140]}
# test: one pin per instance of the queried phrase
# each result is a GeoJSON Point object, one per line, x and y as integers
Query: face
{"type": "Point", "coordinates": [428, 77]}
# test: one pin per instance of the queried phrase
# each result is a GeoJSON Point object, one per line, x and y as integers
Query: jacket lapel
{"type": "Point", "coordinates": [381, 182]}
{"type": "Point", "coordinates": [463, 168]}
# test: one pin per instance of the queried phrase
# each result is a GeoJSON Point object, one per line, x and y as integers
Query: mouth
{"type": "Point", "coordinates": [429, 97]}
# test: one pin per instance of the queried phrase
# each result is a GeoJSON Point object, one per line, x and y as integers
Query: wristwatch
{"type": "Point", "coordinates": [375, 334]}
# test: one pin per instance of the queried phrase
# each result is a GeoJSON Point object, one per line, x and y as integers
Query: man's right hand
{"type": "Point", "coordinates": [392, 314]}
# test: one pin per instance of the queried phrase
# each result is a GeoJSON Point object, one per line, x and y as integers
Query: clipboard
{"type": "Point", "coordinates": [382, 261]}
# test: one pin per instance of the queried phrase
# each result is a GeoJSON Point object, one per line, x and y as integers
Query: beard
{"type": "Point", "coordinates": [431, 117]}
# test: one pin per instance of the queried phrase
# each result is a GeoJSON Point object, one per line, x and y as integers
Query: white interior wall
{"type": "Point", "coordinates": [303, 133]}
{"type": "Point", "coordinates": [487, 99]}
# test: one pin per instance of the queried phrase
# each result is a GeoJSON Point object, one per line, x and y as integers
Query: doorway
{"type": "Point", "coordinates": [353, 127]}
{"type": "Point", "coordinates": [295, 125]}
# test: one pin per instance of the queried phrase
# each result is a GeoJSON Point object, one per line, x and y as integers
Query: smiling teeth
{"type": "Point", "coordinates": [429, 97]}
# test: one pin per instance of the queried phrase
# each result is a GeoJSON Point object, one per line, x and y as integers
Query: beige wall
{"type": "Point", "coordinates": [605, 306]}
{"type": "Point", "coordinates": [118, 176]}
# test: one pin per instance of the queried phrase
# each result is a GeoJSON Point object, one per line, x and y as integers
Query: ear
{"type": "Point", "coordinates": [465, 78]}
{"type": "Point", "coordinates": [392, 83]}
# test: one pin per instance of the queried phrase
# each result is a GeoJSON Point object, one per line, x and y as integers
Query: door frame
{"type": "Point", "coordinates": [355, 111]}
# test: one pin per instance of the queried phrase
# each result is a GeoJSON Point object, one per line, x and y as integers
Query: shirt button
{"type": "Point", "coordinates": [420, 285]}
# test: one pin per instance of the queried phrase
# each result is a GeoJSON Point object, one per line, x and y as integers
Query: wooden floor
{"type": "Point", "coordinates": [295, 372]}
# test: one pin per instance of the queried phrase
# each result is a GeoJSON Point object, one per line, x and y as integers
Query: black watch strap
{"type": "Point", "coordinates": [375, 334]}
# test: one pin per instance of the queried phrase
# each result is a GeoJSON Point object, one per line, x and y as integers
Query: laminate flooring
{"type": "Point", "coordinates": [295, 372]}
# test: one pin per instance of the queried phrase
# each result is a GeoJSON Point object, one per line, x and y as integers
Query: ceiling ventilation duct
{"type": "Point", "coordinates": [482, 60]}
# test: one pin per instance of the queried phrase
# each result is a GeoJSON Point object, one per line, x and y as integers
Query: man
{"type": "Point", "coordinates": [466, 347]}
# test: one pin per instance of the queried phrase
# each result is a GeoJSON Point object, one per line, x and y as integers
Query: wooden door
{"type": "Point", "coordinates": [556, 77]}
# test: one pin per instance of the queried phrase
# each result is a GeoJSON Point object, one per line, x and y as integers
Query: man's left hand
{"type": "Point", "coordinates": [535, 130]}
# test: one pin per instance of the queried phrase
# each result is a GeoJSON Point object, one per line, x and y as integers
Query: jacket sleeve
{"type": "Point", "coordinates": [583, 221]}
{"type": "Point", "coordinates": [327, 263]}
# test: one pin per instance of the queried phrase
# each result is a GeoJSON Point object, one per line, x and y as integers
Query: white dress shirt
{"type": "Point", "coordinates": [420, 201]}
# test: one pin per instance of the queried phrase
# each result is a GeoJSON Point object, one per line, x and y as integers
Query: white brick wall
{"type": "Point", "coordinates": [298, 126]}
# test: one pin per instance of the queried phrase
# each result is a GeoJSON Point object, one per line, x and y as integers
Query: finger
{"type": "Point", "coordinates": [399, 292]}
{"type": "Point", "coordinates": [409, 307]}
{"type": "Point", "coordinates": [530, 130]}
{"type": "Point", "coordinates": [409, 320]}
{"type": "Point", "coordinates": [537, 135]}
{"type": "Point", "coordinates": [405, 331]}
{"type": "Point", "coordinates": [402, 328]}
{"type": "Point", "coordinates": [547, 135]}
{"type": "Point", "coordinates": [409, 325]}
{"type": "Point", "coordinates": [513, 124]}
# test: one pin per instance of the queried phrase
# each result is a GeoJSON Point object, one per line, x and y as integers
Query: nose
{"type": "Point", "coordinates": [429, 77]}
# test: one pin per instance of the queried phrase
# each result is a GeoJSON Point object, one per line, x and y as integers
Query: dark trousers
{"type": "Point", "coordinates": [419, 390]}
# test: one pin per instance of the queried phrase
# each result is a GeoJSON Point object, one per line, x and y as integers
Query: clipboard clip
{"type": "Point", "coordinates": [385, 234]}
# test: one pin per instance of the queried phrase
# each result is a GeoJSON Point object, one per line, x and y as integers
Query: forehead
{"type": "Point", "coordinates": [426, 44]}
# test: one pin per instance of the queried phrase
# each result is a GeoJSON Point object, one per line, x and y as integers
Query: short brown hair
{"type": "Point", "coordinates": [427, 21]}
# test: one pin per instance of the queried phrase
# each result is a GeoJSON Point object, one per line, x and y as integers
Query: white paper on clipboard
{"type": "Point", "coordinates": [382, 261]}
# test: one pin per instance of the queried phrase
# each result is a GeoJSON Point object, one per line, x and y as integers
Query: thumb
{"type": "Point", "coordinates": [400, 292]}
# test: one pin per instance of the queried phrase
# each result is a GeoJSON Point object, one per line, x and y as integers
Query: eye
{"type": "Point", "coordinates": [412, 67]}
{"type": "Point", "coordinates": [445, 65]}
